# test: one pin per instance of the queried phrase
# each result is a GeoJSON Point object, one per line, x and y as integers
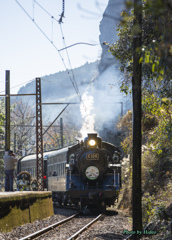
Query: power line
{"type": "Point", "coordinates": [73, 80]}
{"type": "Point", "coordinates": [18, 85]}
{"type": "Point", "coordinates": [46, 11]}
{"type": "Point", "coordinates": [67, 70]}
{"type": "Point", "coordinates": [49, 41]}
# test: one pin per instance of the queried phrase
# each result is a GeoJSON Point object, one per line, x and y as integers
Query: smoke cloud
{"type": "Point", "coordinates": [87, 113]}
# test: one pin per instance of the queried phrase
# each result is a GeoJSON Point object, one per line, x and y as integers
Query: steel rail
{"type": "Point", "coordinates": [74, 236]}
{"type": "Point", "coordinates": [44, 230]}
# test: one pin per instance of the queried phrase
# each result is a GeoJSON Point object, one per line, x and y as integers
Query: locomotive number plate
{"type": "Point", "coordinates": [92, 156]}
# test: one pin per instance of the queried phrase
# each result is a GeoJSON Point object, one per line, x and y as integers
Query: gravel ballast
{"type": "Point", "coordinates": [111, 226]}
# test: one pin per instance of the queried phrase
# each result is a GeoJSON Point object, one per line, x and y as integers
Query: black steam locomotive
{"type": "Point", "coordinates": [87, 174]}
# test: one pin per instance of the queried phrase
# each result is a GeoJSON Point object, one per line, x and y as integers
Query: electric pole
{"type": "Point", "coordinates": [7, 112]}
{"type": "Point", "coordinates": [61, 131]}
{"type": "Point", "coordinates": [137, 112]}
{"type": "Point", "coordinates": [39, 140]}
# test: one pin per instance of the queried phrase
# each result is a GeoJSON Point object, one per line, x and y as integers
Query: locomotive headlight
{"type": "Point", "coordinates": [92, 142]}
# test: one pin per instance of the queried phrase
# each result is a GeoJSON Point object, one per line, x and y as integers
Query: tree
{"type": "Point", "coordinates": [2, 114]}
{"type": "Point", "coordinates": [154, 53]}
{"type": "Point", "coordinates": [156, 47]}
{"type": "Point", "coordinates": [52, 139]}
{"type": "Point", "coordinates": [2, 138]}
{"type": "Point", "coordinates": [22, 123]}
{"type": "Point", "coordinates": [156, 152]}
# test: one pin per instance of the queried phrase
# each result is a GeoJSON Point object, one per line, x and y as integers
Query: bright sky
{"type": "Point", "coordinates": [27, 53]}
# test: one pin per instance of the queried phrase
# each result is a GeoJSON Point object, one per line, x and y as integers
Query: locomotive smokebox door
{"type": "Point", "coordinates": [92, 172]}
{"type": "Point", "coordinates": [92, 164]}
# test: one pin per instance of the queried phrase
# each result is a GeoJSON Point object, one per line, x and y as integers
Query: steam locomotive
{"type": "Point", "coordinates": [87, 174]}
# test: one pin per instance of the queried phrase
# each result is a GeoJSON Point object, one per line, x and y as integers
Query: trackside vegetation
{"type": "Point", "coordinates": [156, 59]}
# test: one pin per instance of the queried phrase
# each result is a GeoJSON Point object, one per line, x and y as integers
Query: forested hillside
{"type": "Point", "coordinates": [59, 87]}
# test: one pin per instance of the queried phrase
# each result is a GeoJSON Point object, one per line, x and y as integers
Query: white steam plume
{"type": "Point", "coordinates": [87, 113]}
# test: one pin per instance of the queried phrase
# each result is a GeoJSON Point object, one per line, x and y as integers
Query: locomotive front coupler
{"type": "Point", "coordinates": [94, 195]}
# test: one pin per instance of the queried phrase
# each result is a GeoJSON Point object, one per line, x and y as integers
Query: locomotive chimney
{"type": "Point", "coordinates": [92, 135]}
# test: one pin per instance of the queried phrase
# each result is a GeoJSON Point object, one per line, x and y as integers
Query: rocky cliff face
{"type": "Point", "coordinates": [108, 25]}
{"type": "Point", "coordinates": [99, 82]}
{"type": "Point", "coordinates": [109, 102]}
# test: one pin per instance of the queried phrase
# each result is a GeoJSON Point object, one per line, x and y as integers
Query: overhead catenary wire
{"type": "Point", "coordinates": [73, 80]}
{"type": "Point", "coordinates": [45, 10]}
{"type": "Point", "coordinates": [45, 35]}
{"type": "Point", "coordinates": [18, 85]}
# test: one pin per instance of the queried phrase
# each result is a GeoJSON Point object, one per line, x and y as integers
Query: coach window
{"type": "Point", "coordinates": [56, 168]}
{"type": "Point", "coordinates": [50, 169]}
{"type": "Point", "coordinates": [60, 169]}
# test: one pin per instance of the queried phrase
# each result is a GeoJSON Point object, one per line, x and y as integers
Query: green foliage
{"type": "Point", "coordinates": [153, 209]}
{"type": "Point", "coordinates": [2, 115]}
{"type": "Point", "coordinates": [156, 59]}
{"type": "Point", "coordinates": [157, 158]}
{"type": "Point", "coordinates": [2, 119]}
{"type": "Point", "coordinates": [162, 110]}
{"type": "Point", "coordinates": [2, 138]}
{"type": "Point", "coordinates": [1, 169]}
{"type": "Point", "coordinates": [156, 45]}
{"type": "Point", "coordinates": [125, 89]}
{"type": "Point", "coordinates": [156, 153]}
{"type": "Point", "coordinates": [156, 125]}
{"type": "Point", "coordinates": [147, 207]}
{"type": "Point", "coordinates": [125, 126]}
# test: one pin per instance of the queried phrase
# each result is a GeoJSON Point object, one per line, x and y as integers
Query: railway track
{"type": "Point", "coordinates": [48, 229]}
{"type": "Point", "coordinates": [111, 226]}
{"type": "Point", "coordinates": [75, 235]}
